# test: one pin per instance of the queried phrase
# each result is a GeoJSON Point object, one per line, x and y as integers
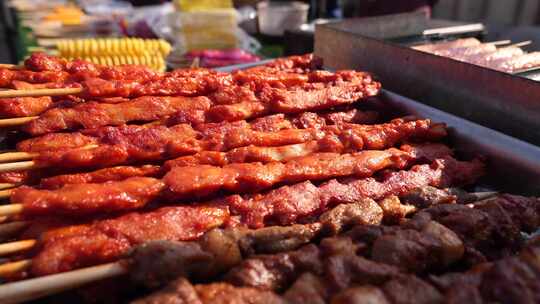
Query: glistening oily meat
{"type": "Point", "coordinates": [127, 144]}
{"type": "Point", "coordinates": [222, 89]}
{"type": "Point", "coordinates": [203, 181]}
{"type": "Point", "coordinates": [285, 206]}
{"type": "Point", "coordinates": [225, 95]}
{"type": "Point", "coordinates": [24, 106]}
{"type": "Point", "coordinates": [200, 181]}
{"type": "Point", "coordinates": [271, 123]}
{"type": "Point", "coordinates": [238, 155]}
{"type": "Point", "coordinates": [100, 176]}
{"type": "Point", "coordinates": [41, 62]}
{"type": "Point", "coordinates": [146, 108]}
{"type": "Point", "coordinates": [93, 115]}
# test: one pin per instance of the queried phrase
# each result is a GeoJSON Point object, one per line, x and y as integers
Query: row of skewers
{"type": "Point", "coordinates": [270, 159]}
{"type": "Point", "coordinates": [499, 55]}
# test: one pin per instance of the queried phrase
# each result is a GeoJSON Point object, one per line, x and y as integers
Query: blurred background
{"type": "Point", "coordinates": [223, 32]}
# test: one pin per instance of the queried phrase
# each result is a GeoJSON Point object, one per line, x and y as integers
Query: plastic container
{"type": "Point", "coordinates": [276, 17]}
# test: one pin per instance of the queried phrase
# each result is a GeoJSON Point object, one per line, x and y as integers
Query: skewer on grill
{"type": "Point", "coordinates": [24, 245]}
{"type": "Point", "coordinates": [32, 288]}
{"type": "Point", "coordinates": [392, 185]}
{"type": "Point", "coordinates": [168, 85]}
{"type": "Point", "coordinates": [145, 108]}
{"type": "Point", "coordinates": [235, 143]}
{"type": "Point", "coordinates": [139, 191]}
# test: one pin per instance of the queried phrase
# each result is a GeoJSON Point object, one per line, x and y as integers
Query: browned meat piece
{"type": "Point", "coordinates": [177, 292]}
{"type": "Point", "coordinates": [345, 269]}
{"type": "Point", "coordinates": [159, 262]}
{"type": "Point", "coordinates": [308, 288]}
{"type": "Point", "coordinates": [426, 196]}
{"type": "Point", "coordinates": [408, 289]}
{"type": "Point", "coordinates": [182, 292]}
{"type": "Point", "coordinates": [514, 280]}
{"type": "Point", "coordinates": [492, 229]}
{"type": "Point", "coordinates": [362, 294]}
{"type": "Point", "coordinates": [275, 272]}
{"type": "Point", "coordinates": [432, 246]}
{"type": "Point", "coordinates": [222, 293]}
{"type": "Point", "coordinates": [361, 212]}
{"type": "Point", "coordinates": [394, 210]}
{"type": "Point", "coordinates": [509, 280]}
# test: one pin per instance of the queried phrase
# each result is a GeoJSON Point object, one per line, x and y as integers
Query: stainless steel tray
{"type": "Point", "coordinates": [500, 101]}
{"type": "Point", "coordinates": [513, 165]}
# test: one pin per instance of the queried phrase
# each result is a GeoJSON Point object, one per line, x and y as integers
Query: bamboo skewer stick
{"type": "Point", "coordinates": [519, 44]}
{"type": "Point", "coordinates": [5, 193]}
{"type": "Point", "coordinates": [18, 166]}
{"type": "Point", "coordinates": [14, 247]}
{"type": "Point", "coordinates": [11, 209]}
{"type": "Point", "coordinates": [16, 156]}
{"type": "Point", "coordinates": [7, 186]}
{"type": "Point", "coordinates": [40, 92]}
{"type": "Point", "coordinates": [35, 288]}
{"type": "Point", "coordinates": [14, 122]}
{"type": "Point", "coordinates": [500, 42]}
{"type": "Point", "coordinates": [12, 268]}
